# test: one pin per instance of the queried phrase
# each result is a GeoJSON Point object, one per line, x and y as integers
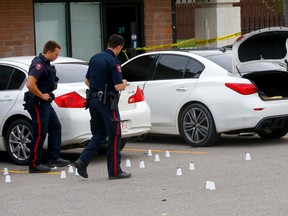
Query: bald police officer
{"type": "Point", "coordinates": [104, 78]}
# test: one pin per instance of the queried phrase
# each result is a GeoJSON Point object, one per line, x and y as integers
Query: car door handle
{"type": "Point", "coordinates": [6, 98]}
{"type": "Point", "coordinates": [182, 89]}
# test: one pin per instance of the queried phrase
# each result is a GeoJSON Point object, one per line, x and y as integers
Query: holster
{"type": "Point", "coordinates": [29, 100]}
{"type": "Point", "coordinates": [52, 97]}
{"type": "Point", "coordinates": [88, 96]}
{"type": "Point", "coordinates": [114, 100]}
{"type": "Point", "coordinates": [55, 83]}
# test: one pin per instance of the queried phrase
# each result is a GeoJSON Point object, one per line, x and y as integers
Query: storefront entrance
{"type": "Point", "coordinates": [126, 20]}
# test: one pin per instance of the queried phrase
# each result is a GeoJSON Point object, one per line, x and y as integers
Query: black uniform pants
{"type": "Point", "coordinates": [104, 122]}
{"type": "Point", "coordinates": [44, 120]}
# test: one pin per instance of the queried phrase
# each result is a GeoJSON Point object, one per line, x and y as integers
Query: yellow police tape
{"type": "Point", "coordinates": [192, 41]}
{"type": "Point", "coordinates": [201, 42]}
{"type": "Point", "coordinates": [125, 53]}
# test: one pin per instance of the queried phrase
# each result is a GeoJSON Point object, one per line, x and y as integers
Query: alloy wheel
{"type": "Point", "coordinates": [18, 143]}
{"type": "Point", "coordinates": [196, 125]}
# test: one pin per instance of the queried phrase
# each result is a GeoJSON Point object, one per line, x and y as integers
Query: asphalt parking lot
{"type": "Point", "coordinates": [242, 187]}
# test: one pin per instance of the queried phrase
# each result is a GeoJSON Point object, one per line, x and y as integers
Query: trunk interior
{"type": "Point", "coordinates": [271, 84]}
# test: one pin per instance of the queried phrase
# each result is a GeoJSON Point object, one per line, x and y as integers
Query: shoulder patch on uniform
{"type": "Point", "coordinates": [38, 66]}
{"type": "Point", "coordinates": [118, 67]}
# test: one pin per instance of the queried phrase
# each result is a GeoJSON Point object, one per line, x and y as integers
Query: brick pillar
{"type": "Point", "coordinates": [16, 28]}
{"type": "Point", "coordinates": [157, 22]}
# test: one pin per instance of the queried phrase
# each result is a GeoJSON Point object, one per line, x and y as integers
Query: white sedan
{"type": "Point", "coordinates": [202, 93]}
{"type": "Point", "coordinates": [15, 122]}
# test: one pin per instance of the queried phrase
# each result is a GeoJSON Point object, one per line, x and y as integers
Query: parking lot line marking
{"type": "Point", "coordinates": [159, 150]}
{"type": "Point", "coordinates": [27, 172]}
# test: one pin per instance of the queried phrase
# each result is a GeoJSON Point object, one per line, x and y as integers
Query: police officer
{"type": "Point", "coordinates": [42, 80]}
{"type": "Point", "coordinates": [104, 78]}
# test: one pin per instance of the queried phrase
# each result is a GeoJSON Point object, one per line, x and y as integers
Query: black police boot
{"type": "Point", "coordinates": [81, 168]}
{"type": "Point", "coordinates": [58, 163]}
{"type": "Point", "coordinates": [122, 175]}
{"type": "Point", "coordinates": [39, 169]}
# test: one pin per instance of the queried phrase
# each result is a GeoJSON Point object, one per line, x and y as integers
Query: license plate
{"type": "Point", "coordinates": [124, 126]}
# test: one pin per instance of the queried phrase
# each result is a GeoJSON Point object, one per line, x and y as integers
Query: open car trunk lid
{"type": "Point", "coordinates": [269, 45]}
{"type": "Point", "coordinates": [261, 57]}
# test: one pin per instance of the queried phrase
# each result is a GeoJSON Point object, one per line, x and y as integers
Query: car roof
{"type": "Point", "coordinates": [204, 52]}
{"type": "Point", "coordinates": [27, 60]}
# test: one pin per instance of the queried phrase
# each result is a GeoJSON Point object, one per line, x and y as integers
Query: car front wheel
{"type": "Point", "coordinates": [197, 126]}
{"type": "Point", "coordinates": [273, 133]}
{"type": "Point", "coordinates": [18, 138]}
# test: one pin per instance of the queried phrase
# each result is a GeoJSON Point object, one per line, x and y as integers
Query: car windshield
{"type": "Point", "coordinates": [71, 72]}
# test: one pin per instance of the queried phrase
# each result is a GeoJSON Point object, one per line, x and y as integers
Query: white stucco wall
{"type": "Point", "coordinates": [217, 19]}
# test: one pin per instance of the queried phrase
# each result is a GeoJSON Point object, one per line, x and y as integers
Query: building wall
{"type": "Point", "coordinates": [16, 28]}
{"type": "Point", "coordinates": [157, 22]}
{"type": "Point", "coordinates": [254, 15]}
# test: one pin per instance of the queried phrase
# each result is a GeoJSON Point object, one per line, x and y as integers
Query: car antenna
{"type": "Point", "coordinates": [238, 71]}
{"type": "Point", "coordinates": [223, 49]}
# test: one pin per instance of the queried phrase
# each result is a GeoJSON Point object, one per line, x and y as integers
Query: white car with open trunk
{"type": "Point", "coordinates": [203, 93]}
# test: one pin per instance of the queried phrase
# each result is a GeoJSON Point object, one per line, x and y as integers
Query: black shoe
{"type": "Point", "coordinates": [81, 168]}
{"type": "Point", "coordinates": [122, 175]}
{"type": "Point", "coordinates": [39, 169]}
{"type": "Point", "coordinates": [58, 163]}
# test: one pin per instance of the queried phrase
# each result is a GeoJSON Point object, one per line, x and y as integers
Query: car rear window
{"type": "Point", "coordinates": [224, 60]}
{"type": "Point", "coordinates": [71, 72]}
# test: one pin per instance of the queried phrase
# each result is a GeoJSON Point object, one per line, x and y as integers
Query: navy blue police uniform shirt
{"type": "Point", "coordinates": [45, 74]}
{"type": "Point", "coordinates": [104, 68]}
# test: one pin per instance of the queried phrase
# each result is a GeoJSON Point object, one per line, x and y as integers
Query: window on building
{"type": "Point", "coordinates": [75, 26]}
{"type": "Point", "coordinates": [85, 30]}
{"type": "Point", "coordinates": [50, 24]}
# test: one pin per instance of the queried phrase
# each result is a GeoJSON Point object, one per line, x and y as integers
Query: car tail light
{"type": "Point", "coordinates": [70, 100]}
{"type": "Point", "coordinates": [137, 97]}
{"type": "Point", "coordinates": [242, 88]}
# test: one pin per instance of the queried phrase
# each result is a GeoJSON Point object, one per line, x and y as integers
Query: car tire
{"type": "Point", "coordinates": [273, 133]}
{"type": "Point", "coordinates": [197, 127]}
{"type": "Point", "coordinates": [18, 138]}
{"type": "Point", "coordinates": [103, 148]}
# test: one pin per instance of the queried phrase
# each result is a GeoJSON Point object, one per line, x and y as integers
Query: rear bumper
{"type": "Point", "coordinates": [138, 120]}
{"type": "Point", "coordinates": [76, 123]}
{"type": "Point", "coordinates": [272, 122]}
{"type": "Point", "coordinates": [136, 132]}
